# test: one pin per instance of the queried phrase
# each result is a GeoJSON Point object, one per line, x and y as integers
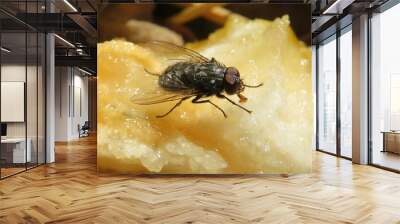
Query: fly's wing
{"type": "Point", "coordinates": [161, 97]}
{"type": "Point", "coordinates": [174, 52]}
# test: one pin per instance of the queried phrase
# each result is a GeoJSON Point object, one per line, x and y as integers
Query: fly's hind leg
{"type": "Point", "coordinates": [173, 108]}
{"type": "Point", "coordinates": [234, 103]}
{"type": "Point", "coordinates": [151, 73]}
{"type": "Point", "coordinates": [197, 100]}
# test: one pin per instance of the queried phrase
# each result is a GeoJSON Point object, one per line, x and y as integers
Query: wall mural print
{"type": "Point", "coordinates": [204, 88]}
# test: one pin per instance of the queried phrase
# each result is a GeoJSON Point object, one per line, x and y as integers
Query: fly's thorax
{"type": "Point", "coordinates": [209, 77]}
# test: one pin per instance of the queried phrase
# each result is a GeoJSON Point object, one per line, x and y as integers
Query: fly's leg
{"type": "Point", "coordinates": [150, 73]}
{"type": "Point", "coordinates": [197, 100]}
{"type": "Point", "coordinates": [255, 86]}
{"type": "Point", "coordinates": [234, 103]}
{"type": "Point", "coordinates": [173, 108]}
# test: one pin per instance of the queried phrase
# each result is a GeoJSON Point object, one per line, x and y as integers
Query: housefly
{"type": "Point", "coordinates": [194, 76]}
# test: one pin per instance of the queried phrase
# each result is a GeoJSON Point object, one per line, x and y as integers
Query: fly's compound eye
{"type": "Point", "coordinates": [232, 75]}
{"type": "Point", "coordinates": [232, 80]}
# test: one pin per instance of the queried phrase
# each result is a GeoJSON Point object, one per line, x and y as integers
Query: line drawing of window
{"type": "Point", "coordinates": [394, 106]}
{"type": "Point", "coordinates": [327, 96]}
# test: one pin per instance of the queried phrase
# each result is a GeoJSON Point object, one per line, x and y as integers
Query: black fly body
{"type": "Point", "coordinates": [196, 77]}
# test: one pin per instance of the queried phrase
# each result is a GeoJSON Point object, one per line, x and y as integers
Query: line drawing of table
{"type": "Point", "coordinates": [391, 141]}
{"type": "Point", "coordinates": [18, 151]}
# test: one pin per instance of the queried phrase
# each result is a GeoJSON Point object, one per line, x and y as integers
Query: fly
{"type": "Point", "coordinates": [195, 77]}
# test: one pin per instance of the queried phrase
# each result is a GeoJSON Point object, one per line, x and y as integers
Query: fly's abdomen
{"type": "Point", "coordinates": [202, 77]}
{"type": "Point", "coordinates": [175, 76]}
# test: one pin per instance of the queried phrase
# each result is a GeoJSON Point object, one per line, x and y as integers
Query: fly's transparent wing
{"type": "Point", "coordinates": [161, 97]}
{"type": "Point", "coordinates": [177, 89]}
{"type": "Point", "coordinates": [174, 52]}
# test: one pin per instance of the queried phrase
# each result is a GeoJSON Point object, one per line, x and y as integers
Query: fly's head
{"type": "Point", "coordinates": [233, 83]}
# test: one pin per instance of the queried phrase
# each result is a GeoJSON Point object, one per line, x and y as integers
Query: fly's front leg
{"type": "Point", "coordinates": [197, 100]}
{"type": "Point", "coordinates": [173, 108]}
{"type": "Point", "coordinates": [234, 103]}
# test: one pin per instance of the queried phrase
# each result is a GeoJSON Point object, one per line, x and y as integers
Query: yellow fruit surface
{"type": "Point", "coordinates": [196, 138]}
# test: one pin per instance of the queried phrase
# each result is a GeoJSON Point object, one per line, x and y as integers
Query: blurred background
{"type": "Point", "coordinates": [186, 22]}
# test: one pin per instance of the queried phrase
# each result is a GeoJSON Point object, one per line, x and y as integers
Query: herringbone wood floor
{"type": "Point", "coordinates": [71, 191]}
